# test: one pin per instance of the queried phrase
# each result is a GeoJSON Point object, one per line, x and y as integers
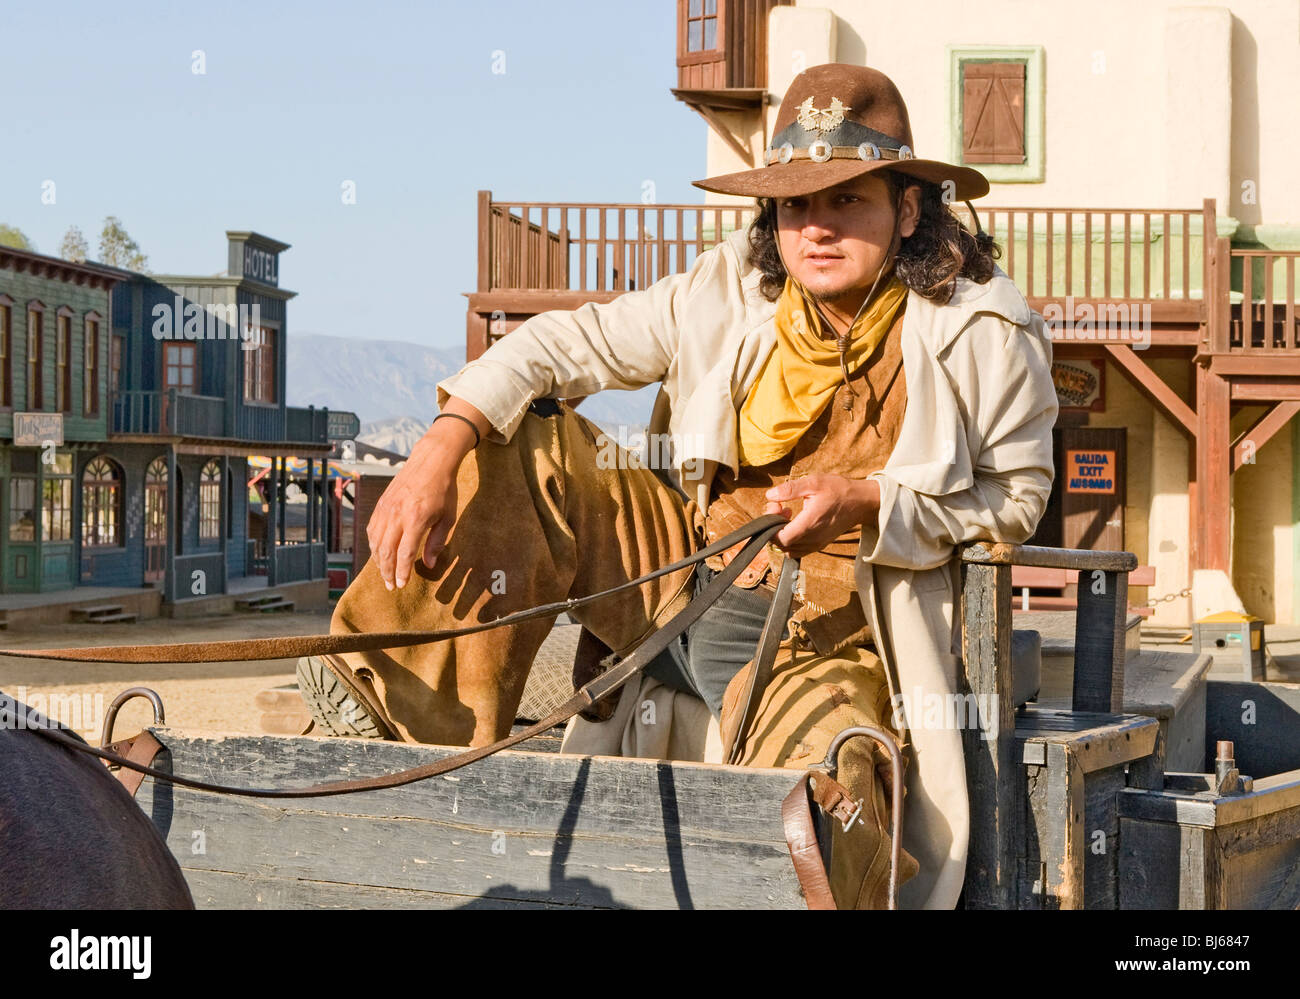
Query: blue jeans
{"type": "Point", "coordinates": [719, 645]}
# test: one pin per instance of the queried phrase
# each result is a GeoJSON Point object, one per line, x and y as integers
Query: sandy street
{"type": "Point", "coordinates": [213, 696]}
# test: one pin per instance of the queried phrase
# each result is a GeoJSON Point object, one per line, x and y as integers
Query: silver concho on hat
{"type": "Point", "coordinates": [786, 152]}
{"type": "Point", "coordinates": [820, 151]}
{"type": "Point", "coordinates": [869, 151]}
{"type": "Point", "coordinates": [905, 153]}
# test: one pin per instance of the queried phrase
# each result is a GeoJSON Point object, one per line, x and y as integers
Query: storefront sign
{"type": "Point", "coordinates": [1080, 383]}
{"type": "Point", "coordinates": [342, 426]}
{"type": "Point", "coordinates": [38, 429]}
{"type": "Point", "coordinates": [261, 265]}
{"type": "Point", "coordinates": [1090, 471]}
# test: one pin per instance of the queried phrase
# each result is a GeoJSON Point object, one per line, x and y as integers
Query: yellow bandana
{"type": "Point", "coordinates": [802, 373]}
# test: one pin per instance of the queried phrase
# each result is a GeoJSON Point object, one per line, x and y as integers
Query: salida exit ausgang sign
{"type": "Point", "coordinates": [1089, 471]}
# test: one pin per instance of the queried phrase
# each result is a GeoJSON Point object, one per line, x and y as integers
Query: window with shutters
{"type": "Point", "coordinates": [90, 366]}
{"type": "Point", "coordinates": [996, 103]}
{"type": "Point", "coordinates": [993, 112]}
{"type": "Point", "coordinates": [63, 361]}
{"type": "Point", "coordinates": [35, 345]}
{"type": "Point", "coordinates": [6, 352]}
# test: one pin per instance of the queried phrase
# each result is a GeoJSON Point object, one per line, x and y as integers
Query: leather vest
{"type": "Point", "coordinates": [853, 437]}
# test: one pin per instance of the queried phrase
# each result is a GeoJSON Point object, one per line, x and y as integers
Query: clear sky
{"type": "Point", "coordinates": [297, 98]}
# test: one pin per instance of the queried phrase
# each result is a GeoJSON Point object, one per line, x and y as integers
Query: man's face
{"type": "Point", "coordinates": [834, 241]}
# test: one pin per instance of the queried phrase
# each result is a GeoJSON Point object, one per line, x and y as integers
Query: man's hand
{"type": "Point", "coordinates": [831, 505]}
{"type": "Point", "coordinates": [420, 503]}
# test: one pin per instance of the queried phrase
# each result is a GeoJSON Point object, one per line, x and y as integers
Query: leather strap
{"type": "Point", "coordinates": [801, 837]}
{"type": "Point", "coordinates": [254, 649]}
{"type": "Point", "coordinates": [761, 675]}
{"type": "Point", "coordinates": [142, 748]}
{"type": "Point", "coordinates": [762, 531]}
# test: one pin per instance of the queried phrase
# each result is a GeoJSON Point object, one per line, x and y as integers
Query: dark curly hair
{"type": "Point", "coordinates": [928, 262]}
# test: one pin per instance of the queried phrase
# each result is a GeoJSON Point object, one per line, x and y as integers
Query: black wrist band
{"type": "Point", "coordinates": [478, 438]}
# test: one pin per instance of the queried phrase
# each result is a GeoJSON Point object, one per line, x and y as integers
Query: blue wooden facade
{"type": "Point", "coordinates": [162, 386]}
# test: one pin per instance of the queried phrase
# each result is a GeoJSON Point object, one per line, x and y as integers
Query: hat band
{"type": "Point", "coordinates": [819, 151]}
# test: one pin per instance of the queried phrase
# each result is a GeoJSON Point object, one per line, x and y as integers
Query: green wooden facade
{"type": "Point", "coordinates": [38, 295]}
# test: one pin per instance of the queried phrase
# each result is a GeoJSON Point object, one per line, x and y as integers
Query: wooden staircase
{"type": "Point", "coordinates": [264, 602]}
{"type": "Point", "coordinates": [102, 614]}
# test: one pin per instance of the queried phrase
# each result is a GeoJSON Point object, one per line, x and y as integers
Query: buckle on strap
{"type": "Point", "coordinates": [832, 798]}
{"type": "Point", "coordinates": [856, 816]}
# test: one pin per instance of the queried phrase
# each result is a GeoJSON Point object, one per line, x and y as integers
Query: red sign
{"type": "Point", "coordinates": [1090, 471]}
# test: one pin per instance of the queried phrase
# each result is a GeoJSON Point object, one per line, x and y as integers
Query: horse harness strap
{"type": "Point", "coordinates": [759, 533]}
{"type": "Point", "coordinates": [134, 756]}
{"type": "Point", "coordinates": [141, 748]}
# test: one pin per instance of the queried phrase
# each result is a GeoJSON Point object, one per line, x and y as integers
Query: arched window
{"type": "Point", "coordinates": [210, 502]}
{"type": "Point", "coordinates": [101, 503]}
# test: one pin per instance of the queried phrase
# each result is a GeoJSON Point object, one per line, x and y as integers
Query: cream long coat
{"type": "Point", "coordinates": [973, 460]}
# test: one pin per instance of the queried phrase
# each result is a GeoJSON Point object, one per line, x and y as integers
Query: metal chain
{"type": "Point", "coordinates": [1170, 596]}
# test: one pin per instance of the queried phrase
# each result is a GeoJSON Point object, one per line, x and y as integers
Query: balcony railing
{"type": "Point", "coordinates": [543, 255]}
{"type": "Point", "coordinates": [1263, 317]}
{"type": "Point", "coordinates": [593, 247]}
{"type": "Point", "coordinates": [177, 414]}
{"type": "Point", "coordinates": [297, 562]}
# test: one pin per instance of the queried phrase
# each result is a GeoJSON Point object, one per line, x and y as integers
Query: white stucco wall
{"type": "Point", "coordinates": [1147, 104]}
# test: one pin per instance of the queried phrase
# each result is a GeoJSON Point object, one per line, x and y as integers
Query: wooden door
{"type": "Point", "coordinates": [1092, 467]}
{"type": "Point", "coordinates": [155, 521]}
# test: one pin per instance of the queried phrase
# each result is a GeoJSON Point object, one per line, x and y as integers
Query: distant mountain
{"type": "Point", "coordinates": [391, 386]}
{"type": "Point", "coordinates": [398, 434]}
{"type": "Point", "coordinates": [376, 379]}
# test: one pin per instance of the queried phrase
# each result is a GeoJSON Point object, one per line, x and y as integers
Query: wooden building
{"type": "Point", "coordinates": [1175, 322]}
{"type": "Point", "coordinates": [152, 391]}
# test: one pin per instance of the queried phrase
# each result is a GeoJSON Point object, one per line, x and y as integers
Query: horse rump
{"type": "Point", "coordinates": [71, 836]}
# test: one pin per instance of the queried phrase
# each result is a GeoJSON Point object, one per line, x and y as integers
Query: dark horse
{"type": "Point", "coordinates": [71, 837]}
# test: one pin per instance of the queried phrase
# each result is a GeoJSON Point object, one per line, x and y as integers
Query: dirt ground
{"type": "Point", "coordinates": [211, 696]}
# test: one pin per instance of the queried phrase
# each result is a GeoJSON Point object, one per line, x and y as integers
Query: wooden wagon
{"type": "Point", "coordinates": [1100, 790]}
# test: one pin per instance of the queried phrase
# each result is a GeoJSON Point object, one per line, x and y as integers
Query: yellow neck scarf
{"type": "Point", "coordinates": [802, 373]}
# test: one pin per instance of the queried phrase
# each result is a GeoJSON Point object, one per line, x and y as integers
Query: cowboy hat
{"type": "Point", "coordinates": [837, 122]}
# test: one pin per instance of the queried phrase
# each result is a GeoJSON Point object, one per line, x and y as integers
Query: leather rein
{"type": "Point", "coordinates": [758, 532]}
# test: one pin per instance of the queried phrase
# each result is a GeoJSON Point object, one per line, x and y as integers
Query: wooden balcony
{"type": "Point", "coordinates": [179, 414]}
{"type": "Point", "coordinates": [1118, 284]}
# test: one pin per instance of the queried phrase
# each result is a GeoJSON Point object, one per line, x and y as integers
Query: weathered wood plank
{"type": "Point", "coordinates": [991, 774]}
{"type": "Point", "coordinates": [1101, 838]}
{"type": "Point", "coordinates": [1062, 847]}
{"type": "Point", "coordinates": [516, 827]}
{"type": "Point", "coordinates": [225, 890]}
{"type": "Point", "coordinates": [1001, 553]}
{"type": "Point", "coordinates": [1252, 715]}
{"type": "Point", "coordinates": [1100, 643]}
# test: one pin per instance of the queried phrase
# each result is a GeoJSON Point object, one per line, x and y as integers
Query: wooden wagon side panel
{"type": "Point", "coordinates": [518, 829]}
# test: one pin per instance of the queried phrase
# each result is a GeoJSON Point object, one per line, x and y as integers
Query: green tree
{"type": "Point", "coordinates": [74, 246]}
{"type": "Point", "coordinates": [10, 236]}
{"type": "Point", "coordinates": [118, 249]}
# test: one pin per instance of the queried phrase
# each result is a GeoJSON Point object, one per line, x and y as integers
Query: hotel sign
{"type": "Point", "coordinates": [342, 425]}
{"type": "Point", "coordinates": [260, 265]}
{"type": "Point", "coordinates": [38, 429]}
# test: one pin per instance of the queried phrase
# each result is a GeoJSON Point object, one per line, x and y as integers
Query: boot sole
{"type": "Point", "coordinates": [332, 705]}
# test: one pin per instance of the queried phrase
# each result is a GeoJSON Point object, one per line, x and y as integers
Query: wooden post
{"type": "Point", "coordinates": [476, 334]}
{"type": "Point", "coordinates": [1099, 641]}
{"type": "Point", "coordinates": [272, 481]}
{"type": "Point", "coordinates": [173, 504]}
{"type": "Point", "coordinates": [484, 240]}
{"type": "Point", "coordinates": [310, 534]}
{"type": "Point", "coordinates": [1213, 470]}
{"type": "Point", "coordinates": [991, 771]}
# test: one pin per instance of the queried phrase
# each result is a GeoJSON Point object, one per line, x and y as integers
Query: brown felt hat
{"type": "Point", "coordinates": [839, 121]}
